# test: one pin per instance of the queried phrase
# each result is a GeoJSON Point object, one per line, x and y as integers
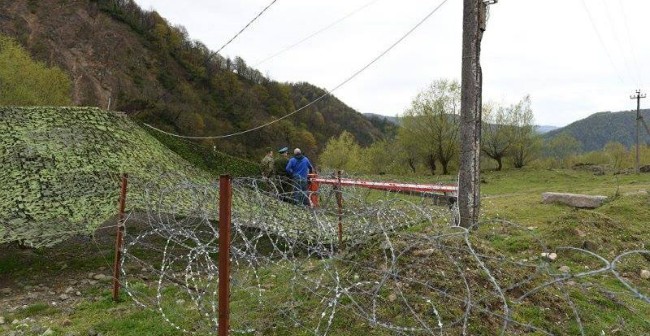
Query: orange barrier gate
{"type": "Point", "coordinates": [450, 191]}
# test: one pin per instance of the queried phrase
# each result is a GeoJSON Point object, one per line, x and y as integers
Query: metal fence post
{"type": "Point", "coordinates": [119, 237]}
{"type": "Point", "coordinates": [313, 190]}
{"type": "Point", "coordinates": [339, 202]}
{"type": "Point", "coordinates": [225, 210]}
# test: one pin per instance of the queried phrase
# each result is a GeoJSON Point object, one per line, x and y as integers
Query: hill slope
{"type": "Point", "coordinates": [595, 131]}
{"type": "Point", "coordinates": [61, 170]}
{"type": "Point", "coordinates": [134, 61]}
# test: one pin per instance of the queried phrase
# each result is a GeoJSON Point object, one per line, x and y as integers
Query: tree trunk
{"type": "Point", "coordinates": [445, 167]}
{"type": "Point", "coordinates": [500, 165]}
{"type": "Point", "coordinates": [411, 164]}
{"type": "Point", "coordinates": [431, 160]}
{"type": "Point", "coordinates": [470, 133]}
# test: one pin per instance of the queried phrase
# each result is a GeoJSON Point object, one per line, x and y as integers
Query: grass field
{"type": "Point", "coordinates": [515, 229]}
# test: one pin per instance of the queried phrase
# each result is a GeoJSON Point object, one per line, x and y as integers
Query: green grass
{"type": "Point", "coordinates": [36, 309]}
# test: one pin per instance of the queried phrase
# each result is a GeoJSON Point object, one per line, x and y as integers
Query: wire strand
{"type": "Point", "coordinates": [602, 42]}
{"type": "Point", "coordinates": [327, 93]}
{"type": "Point", "coordinates": [246, 26]}
{"type": "Point", "coordinates": [305, 39]}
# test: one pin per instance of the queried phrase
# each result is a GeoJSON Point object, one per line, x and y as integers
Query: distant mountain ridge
{"type": "Point", "coordinates": [595, 131]}
{"type": "Point", "coordinates": [541, 129]}
{"type": "Point", "coordinates": [393, 119]}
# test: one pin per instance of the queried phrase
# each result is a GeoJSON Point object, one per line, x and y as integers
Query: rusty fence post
{"type": "Point", "coordinates": [339, 202]}
{"type": "Point", "coordinates": [225, 210]}
{"type": "Point", "coordinates": [313, 187]}
{"type": "Point", "coordinates": [119, 237]}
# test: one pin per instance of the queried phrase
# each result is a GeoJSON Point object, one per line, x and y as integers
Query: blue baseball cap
{"type": "Point", "coordinates": [283, 150]}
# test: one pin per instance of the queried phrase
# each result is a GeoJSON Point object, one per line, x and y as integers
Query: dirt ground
{"type": "Point", "coordinates": [56, 278]}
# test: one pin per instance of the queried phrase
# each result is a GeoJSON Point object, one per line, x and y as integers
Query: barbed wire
{"type": "Point", "coordinates": [402, 267]}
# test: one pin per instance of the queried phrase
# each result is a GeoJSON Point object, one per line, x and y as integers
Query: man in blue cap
{"type": "Point", "coordinates": [299, 168]}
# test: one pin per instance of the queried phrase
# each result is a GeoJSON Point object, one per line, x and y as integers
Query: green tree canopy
{"type": "Point", "coordinates": [341, 153]}
{"type": "Point", "coordinates": [525, 142]}
{"type": "Point", "coordinates": [562, 147]}
{"type": "Point", "coordinates": [496, 137]}
{"type": "Point", "coordinates": [26, 82]}
{"type": "Point", "coordinates": [432, 123]}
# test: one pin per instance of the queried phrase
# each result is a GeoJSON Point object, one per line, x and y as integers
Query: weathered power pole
{"type": "Point", "coordinates": [638, 95]}
{"type": "Point", "coordinates": [469, 196]}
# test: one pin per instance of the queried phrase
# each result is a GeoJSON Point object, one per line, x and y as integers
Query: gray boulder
{"type": "Point", "coordinates": [574, 200]}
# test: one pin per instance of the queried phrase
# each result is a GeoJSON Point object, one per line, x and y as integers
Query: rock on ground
{"type": "Point", "coordinates": [645, 274]}
{"type": "Point", "coordinates": [549, 256]}
{"type": "Point", "coordinates": [574, 200]}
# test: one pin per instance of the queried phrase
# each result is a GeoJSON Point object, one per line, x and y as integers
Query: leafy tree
{"type": "Point", "coordinates": [432, 123]}
{"type": "Point", "coordinates": [525, 141]}
{"type": "Point", "coordinates": [496, 135]}
{"type": "Point", "coordinates": [409, 138]}
{"type": "Point", "coordinates": [562, 146]}
{"type": "Point", "coordinates": [387, 128]}
{"type": "Point", "coordinates": [617, 154]}
{"type": "Point", "coordinates": [381, 157]}
{"type": "Point", "coordinates": [24, 81]}
{"type": "Point", "coordinates": [408, 141]}
{"type": "Point", "coordinates": [341, 153]}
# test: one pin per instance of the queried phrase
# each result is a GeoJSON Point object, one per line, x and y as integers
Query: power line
{"type": "Point", "coordinates": [618, 42]}
{"type": "Point", "coordinates": [637, 65]}
{"type": "Point", "coordinates": [315, 33]}
{"type": "Point", "coordinates": [327, 93]}
{"type": "Point", "coordinates": [602, 42]}
{"type": "Point", "coordinates": [246, 26]}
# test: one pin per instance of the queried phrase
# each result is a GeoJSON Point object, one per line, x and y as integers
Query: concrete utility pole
{"type": "Point", "coordinates": [638, 95]}
{"type": "Point", "coordinates": [469, 194]}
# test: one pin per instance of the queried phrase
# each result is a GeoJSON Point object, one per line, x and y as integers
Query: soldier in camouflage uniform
{"type": "Point", "coordinates": [282, 179]}
{"type": "Point", "coordinates": [268, 164]}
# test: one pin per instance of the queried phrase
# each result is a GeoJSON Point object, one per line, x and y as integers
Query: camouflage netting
{"type": "Point", "coordinates": [61, 170]}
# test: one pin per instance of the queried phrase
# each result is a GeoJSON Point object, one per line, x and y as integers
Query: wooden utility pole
{"type": "Point", "coordinates": [638, 95]}
{"type": "Point", "coordinates": [469, 200]}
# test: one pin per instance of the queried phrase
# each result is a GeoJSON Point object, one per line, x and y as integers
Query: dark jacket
{"type": "Point", "coordinates": [299, 167]}
{"type": "Point", "coordinates": [281, 166]}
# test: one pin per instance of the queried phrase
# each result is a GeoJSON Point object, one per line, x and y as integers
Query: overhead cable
{"type": "Point", "coordinates": [602, 42]}
{"type": "Point", "coordinates": [327, 93]}
{"type": "Point", "coordinates": [637, 65]}
{"type": "Point", "coordinates": [246, 26]}
{"type": "Point", "coordinates": [628, 68]}
{"type": "Point", "coordinates": [315, 33]}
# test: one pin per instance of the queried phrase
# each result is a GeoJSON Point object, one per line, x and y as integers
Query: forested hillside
{"type": "Point", "coordinates": [595, 131]}
{"type": "Point", "coordinates": [132, 60]}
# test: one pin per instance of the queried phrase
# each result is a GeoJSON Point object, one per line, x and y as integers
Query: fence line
{"type": "Point", "coordinates": [286, 261]}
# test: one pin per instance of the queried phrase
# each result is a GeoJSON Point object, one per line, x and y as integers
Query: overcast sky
{"type": "Point", "coordinates": [574, 57]}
